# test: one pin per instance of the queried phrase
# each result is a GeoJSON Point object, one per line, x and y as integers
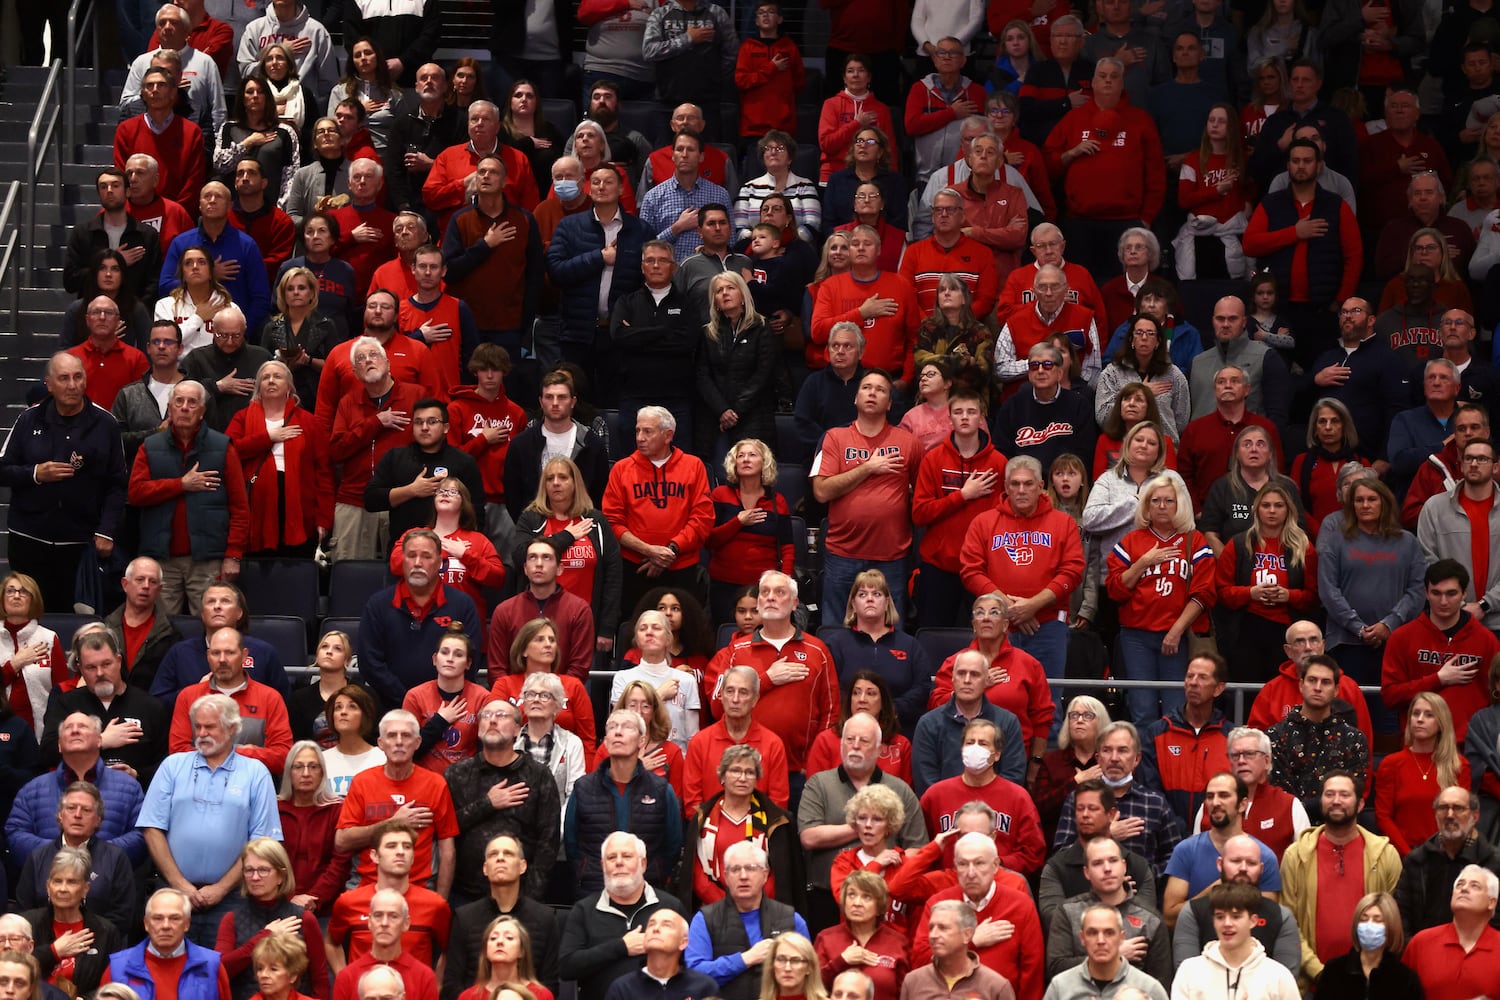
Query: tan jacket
{"type": "Point", "coordinates": [1299, 884]}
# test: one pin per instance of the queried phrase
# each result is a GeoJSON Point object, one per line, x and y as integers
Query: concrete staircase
{"type": "Point", "coordinates": [25, 347]}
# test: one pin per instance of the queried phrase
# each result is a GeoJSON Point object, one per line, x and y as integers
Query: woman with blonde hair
{"type": "Point", "coordinates": [264, 905]}
{"type": "Point", "coordinates": [297, 333]}
{"type": "Point", "coordinates": [791, 970]}
{"type": "Point", "coordinates": [752, 527]}
{"type": "Point", "coordinates": [279, 961]}
{"type": "Point", "coordinates": [196, 299]}
{"type": "Point", "coordinates": [1267, 578]}
{"type": "Point", "coordinates": [564, 515]}
{"type": "Point", "coordinates": [1162, 575]}
{"type": "Point", "coordinates": [1018, 52]}
{"type": "Point", "coordinates": [505, 963]}
{"type": "Point", "coordinates": [1407, 781]}
{"type": "Point", "coordinates": [737, 364]}
{"type": "Point", "coordinates": [836, 259]}
{"type": "Point", "coordinates": [1372, 969]}
{"type": "Point", "coordinates": [1430, 247]}
{"type": "Point", "coordinates": [291, 499]}
{"type": "Point", "coordinates": [32, 663]}
{"type": "Point", "coordinates": [1114, 500]}
{"type": "Point", "coordinates": [872, 640]}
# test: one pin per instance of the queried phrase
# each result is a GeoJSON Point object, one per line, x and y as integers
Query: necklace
{"type": "Point", "coordinates": [1426, 773]}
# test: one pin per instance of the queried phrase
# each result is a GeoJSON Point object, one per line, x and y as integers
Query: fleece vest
{"type": "Point", "coordinates": [727, 932]}
{"type": "Point", "coordinates": [207, 511]}
{"type": "Point", "coordinates": [1325, 256]}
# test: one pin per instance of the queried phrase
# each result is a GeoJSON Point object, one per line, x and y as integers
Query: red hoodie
{"type": "Point", "coordinates": [660, 505]}
{"type": "Point", "coordinates": [1125, 179]}
{"type": "Point", "coordinates": [1416, 652]}
{"type": "Point", "coordinates": [768, 95]}
{"type": "Point", "coordinates": [1437, 474]}
{"type": "Point", "coordinates": [1283, 693]}
{"type": "Point", "coordinates": [469, 415]}
{"type": "Point", "coordinates": [1030, 554]}
{"type": "Point", "coordinates": [938, 505]}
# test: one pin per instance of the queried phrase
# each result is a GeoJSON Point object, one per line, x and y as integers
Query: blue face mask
{"type": "Point", "coordinates": [1371, 935]}
{"type": "Point", "coordinates": [565, 190]}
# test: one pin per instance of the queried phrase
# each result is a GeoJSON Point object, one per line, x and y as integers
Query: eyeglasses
{"type": "Point", "coordinates": [1048, 245]}
{"type": "Point", "coordinates": [946, 209]}
{"type": "Point", "coordinates": [229, 334]}
{"type": "Point", "coordinates": [537, 696]}
{"type": "Point", "coordinates": [992, 613]}
{"type": "Point", "coordinates": [773, 147]}
{"type": "Point", "coordinates": [790, 960]}
{"type": "Point", "coordinates": [1081, 716]}
{"type": "Point", "coordinates": [867, 141]}
{"type": "Point", "coordinates": [447, 493]}
{"type": "Point", "coordinates": [493, 713]}
{"type": "Point", "coordinates": [1352, 311]}
{"type": "Point", "coordinates": [1245, 754]}
{"type": "Point", "coordinates": [746, 870]}
{"type": "Point", "coordinates": [1478, 459]}
{"type": "Point", "coordinates": [307, 766]}
{"type": "Point", "coordinates": [867, 196]}
{"type": "Point", "coordinates": [1001, 111]}
{"type": "Point", "coordinates": [259, 872]}
{"type": "Point", "coordinates": [739, 772]}
{"type": "Point", "coordinates": [16, 592]}
{"type": "Point", "coordinates": [1044, 365]}
{"type": "Point", "coordinates": [948, 53]}
{"type": "Point", "coordinates": [326, 131]}
{"type": "Point", "coordinates": [162, 342]}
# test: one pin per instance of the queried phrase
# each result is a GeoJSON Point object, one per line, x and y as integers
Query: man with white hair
{"type": "Point", "coordinates": [621, 793]}
{"type": "Point", "coordinates": [1427, 872]}
{"type": "Point", "coordinates": [1048, 312]}
{"type": "Point", "coordinates": [387, 971]}
{"type": "Point", "coordinates": [205, 84]}
{"type": "Point", "coordinates": [146, 205]}
{"type": "Point", "coordinates": [822, 813]}
{"type": "Point", "coordinates": [730, 939]}
{"type": "Point", "coordinates": [189, 485]}
{"type": "Point", "coordinates": [1461, 959]}
{"type": "Point", "coordinates": [203, 806]}
{"type": "Point", "coordinates": [950, 928]}
{"type": "Point", "coordinates": [665, 975]}
{"type": "Point", "coordinates": [657, 503]}
{"type": "Point", "coordinates": [451, 181]}
{"type": "Point", "coordinates": [400, 790]}
{"type": "Point", "coordinates": [736, 694]}
{"type": "Point", "coordinates": [604, 934]}
{"type": "Point", "coordinates": [429, 126]}
{"type": "Point", "coordinates": [174, 967]}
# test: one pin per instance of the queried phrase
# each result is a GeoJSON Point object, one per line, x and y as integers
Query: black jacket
{"type": "Point", "coordinates": [825, 401]}
{"type": "Point", "coordinates": [466, 941]}
{"type": "Point", "coordinates": [738, 372]}
{"type": "Point", "coordinates": [1427, 876]}
{"type": "Point", "coordinates": [90, 237]}
{"type": "Point", "coordinates": [89, 967]}
{"type": "Point", "coordinates": [606, 567]}
{"type": "Point", "coordinates": [400, 466]}
{"type": "Point", "coordinates": [1344, 979]}
{"type": "Point", "coordinates": [208, 364]}
{"type": "Point", "coordinates": [69, 510]}
{"type": "Point", "coordinates": [414, 133]}
{"type": "Point", "coordinates": [592, 952]}
{"type": "Point", "coordinates": [146, 754]}
{"type": "Point", "coordinates": [535, 822]}
{"type": "Point", "coordinates": [523, 465]}
{"type": "Point", "coordinates": [656, 345]}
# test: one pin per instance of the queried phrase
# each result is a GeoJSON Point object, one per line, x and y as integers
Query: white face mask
{"type": "Point", "coordinates": [976, 757]}
{"type": "Point", "coordinates": [1116, 783]}
{"type": "Point", "coordinates": [1371, 935]}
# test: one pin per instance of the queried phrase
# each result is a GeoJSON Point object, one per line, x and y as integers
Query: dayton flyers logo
{"type": "Point", "coordinates": [1021, 557]}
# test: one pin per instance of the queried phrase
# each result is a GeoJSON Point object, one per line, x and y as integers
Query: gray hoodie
{"type": "Point", "coordinates": [1077, 984]}
{"type": "Point", "coordinates": [318, 66]}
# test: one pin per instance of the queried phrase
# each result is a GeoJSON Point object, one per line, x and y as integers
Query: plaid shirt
{"type": "Point", "coordinates": [1304, 751]}
{"type": "Point", "coordinates": [1163, 828]}
{"type": "Point", "coordinates": [664, 203]}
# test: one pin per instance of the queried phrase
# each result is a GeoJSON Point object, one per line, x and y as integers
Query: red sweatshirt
{"type": "Point", "coordinates": [1018, 831]}
{"type": "Point", "coordinates": [1024, 692]}
{"type": "Point", "coordinates": [266, 733]}
{"type": "Point", "coordinates": [1416, 652]}
{"type": "Point", "coordinates": [890, 341]}
{"type": "Point", "coordinates": [1125, 179]}
{"type": "Point", "coordinates": [447, 355]}
{"type": "Point", "coordinates": [706, 749]}
{"type": "Point", "coordinates": [938, 504]}
{"type": "Point", "coordinates": [443, 191]}
{"type": "Point", "coordinates": [469, 415]}
{"type": "Point", "coordinates": [768, 95]}
{"type": "Point", "coordinates": [662, 505]}
{"type": "Point", "coordinates": [925, 262]}
{"type": "Point", "coordinates": [1016, 292]}
{"type": "Point", "coordinates": [796, 711]}
{"type": "Point", "coordinates": [1282, 693]}
{"type": "Point", "coordinates": [359, 438]}
{"type": "Point", "coordinates": [1269, 568]}
{"type": "Point", "coordinates": [178, 151]}
{"type": "Point", "coordinates": [990, 219]}
{"type": "Point", "coordinates": [837, 127]}
{"type": "Point", "coordinates": [411, 364]}
{"type": "Point", "coordinates": [1160, 595]}
{"type": "Point", "coordinates": [1019, 958]}
{"type": "Point", "coordinates": [168, 218]}
{"type": "Point", "coordinates": [926, 111]}
{"type": "Point", "coordinates": [1019, 555]}
{"type": "Point", "coordinates": [364, 257]}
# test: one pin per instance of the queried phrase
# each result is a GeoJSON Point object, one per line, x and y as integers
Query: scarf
{"type": "Point", "coordinates": [260, 479]}
{"type": "Point", "coordinates": [753, 827]}
{"type": "Point", "coordinates": [289, 99]}
{"type": "Point", "coordinates": [1317, 454]}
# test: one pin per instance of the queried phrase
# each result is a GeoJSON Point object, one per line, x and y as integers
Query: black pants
{"type": "Point", "coordinates": [1092, 244]}
{"type": "Point", "coordinates": [53, 567]}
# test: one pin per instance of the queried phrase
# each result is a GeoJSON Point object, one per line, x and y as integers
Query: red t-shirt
{"type": "Point", "coordinates": [873, 520]}
{"type": "Point", "coordinates": [576, 567]}
{"type": "Point", "coordinates": [461, 739]}
{"type": "Point", "coordinates": [1341, 883]}
{"type": "Point", "coordinates": [1478, 512]}
{"type": "Point", "coordinates": [135, 638]}
{"type": "Point", "coordinates": [349, 926]}
{"type": "Point", "coordinates": [373, 797]}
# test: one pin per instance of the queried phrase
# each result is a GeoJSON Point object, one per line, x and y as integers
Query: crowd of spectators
{"type": "Point", "coordinates": [731, 411]}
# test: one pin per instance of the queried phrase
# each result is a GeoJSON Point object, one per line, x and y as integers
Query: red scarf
{"type": "Point", "coordinates": [260, 480]}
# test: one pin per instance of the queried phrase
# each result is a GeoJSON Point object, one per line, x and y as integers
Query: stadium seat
{"type": "Point", "coordinates": [560, 113]}
{"type": "Point", "coordinates": [286, 634]}
{"type": "Point", "coordinates": [789, 446]}
{"type": "Point", "coordinates": [799, 541]}
{"type": "Point", "coordinates": [648, 118]}
{"type": "Point", "coordinates": [352, 581]}
{"type": "Point", "coordinates": [281, 587]}
{"type": "Point", "coordinates": [726, 632]}
{"type": "Point", "coordinates": [191, 626]}
{"type": "Point", "coordinates": [941, 643]}
{"type": "Point", "coordinates": [791, 482]}
{"type": "Point", "coordinates": [65, 625]}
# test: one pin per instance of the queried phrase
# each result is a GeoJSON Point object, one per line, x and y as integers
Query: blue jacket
{"type": "Point", "coordinates": [1377, 390]}
{"type": "Point", "coordinates": [200, 973]}
{"type": "Point", "coordinates": [937, 745]}
{"type": "Point", "coordinates": [896, 656]}
{"type": "Point", "coordinates": [575, 260]}
{"type": "Point", "coordinates": [250, 289]}
{"type": "Point", "coordinates": [1187, 344]}
{"type": "Point", "coordinates": [71, 510]}
{"type": "Point", "coordinates": [33, 817]}
{"type": "Point", "coordinates": [187, 662]}
{"type": "Point", "coordinates": [395, 651]}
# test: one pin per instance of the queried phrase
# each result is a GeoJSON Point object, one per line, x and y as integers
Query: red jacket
{"type": "Point", "coordinates": [660, 505]}
{"type": "Point", "coordinates": [1024, 692]}
{"type": "Point", "coordinates": [1024, 555]}
{"type": "Point", "coordinates": [273, 232]}
{"type": "Point", "coordinates": [1018, 833]}
{"type": "Point", "coordinates": [443, 192]}
{"type": "Point", "coordinates": [364, 257]}
{"type": "Point", "coordinates": [261, 708]}
{"type": "Point", "coordinates": [1163, 591]}
{"type": "Point", "coordinates": [178, 151]}
{"type": "Point", "coordinates": [768, 96]}
{"type": "Point", "coordinates": [1019, 958]}
{"type": "Point", "coordinates": [1268, 562]}
{"type": "Point", "coordinates": [797, 711]}
{"type": "Point", "coordinates": [938, 505]}
{"type": "Point", "coordinates": [837, 128]}
{"type": "Point", "coordinates": [411, 364]}
{"type": "Point", "coordinates": [927, 112]}
{"type": "Point", "coordinates": [1125, 179]}
{"type": "Point", "coordinates": [1437, 474]}
{"type": "Point", "coordinates": [989, 219]}
{"type": "Point", "coordinates": [707, 747]}
{"type": "Point", "coordinates": [359, 438]}
{"type": "Point", "coordinates": [1416, 652]}
{"type": "Point", "coordinates": [924, 262]}
{"type": "Point", "coordinates": [469, 415]}
{"type": "Point", "coordinates": [1016, 291]}
{"type": "Point", "coordinates": [307, 504]}
{"type": "Point", "coordinates": [1282, 693]}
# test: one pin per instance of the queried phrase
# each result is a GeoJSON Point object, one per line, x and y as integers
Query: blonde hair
{"type": "Point", "coordinates": [1294, 541]}
{"type": "Point", "coordinates": [1183, 521]}
{"type": "Point", "coordinates": [1445, 757]}
{"type": "Point", "coordinates": [582, 502]}
{"type": "Point", "coordinates": [716, 319]}
{"type": "Point", "coordinates": [768, 472]}
{"type": "Point", "coordinates": [1084, 701]}
{"type": "Point", "coordinates": [876, 579]}
{"type": "Point", "coordinates": [295, 272]}
{"type": "Point", "coordinates": [660, 726]}
{"type": "Point", "coordinates": [812, 987]}
{"type": "Point", "coordinates": [1123, 463]}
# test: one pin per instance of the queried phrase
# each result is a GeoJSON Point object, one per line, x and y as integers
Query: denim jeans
{"type": "Point", "coordinates": [1141, 659]}
{"type": "Point", "coordinates": [838, 578]}
{"type": "Point", "coordinates": [1049, 644]}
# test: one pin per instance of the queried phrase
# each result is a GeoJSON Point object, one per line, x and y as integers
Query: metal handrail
{"type": "Point", "coordinates": [41, 139]}
{"type": "Point", "coordinates": [12, 195]}
{"type": "Point", "coordinates": [80, 22]}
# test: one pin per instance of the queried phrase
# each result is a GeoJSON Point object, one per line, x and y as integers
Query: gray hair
{"type": "Point", "coordinates": [791, 581]}
{"type": "Point", "coordinates": [1491, 880]}
{"type": "Point", "coordinates": [749, 674]}
{"type": "Point", "coordinates": [946, 192]}
{"type": "Point", "coordinates": [190, 385]}
{"type": "Point", "coordinates": [489, 106]}
{"type": "Point", "coordinates": [1029, 462]}
{"type": "Point", "coordinates": [1103, 908]}
{"type": "Point", "coordinates": [229, 712]}
{"type": "Point", "coordinates": [382, 970]}
{"type": "Point", "coordinates": [74, 859]}
{"type": "Point", "coordinates": [1083, 702]}
{"type": "Point", "coordinates": [868, 983]}
{"type": "Point", "coordinates": [963, 910]}
{"type": "Point", "coordinates": [978, 841]}
{"type": "Point", "coordinates": [323, 796]}
{"type": "Point", "coordinates": [1122, 727]}
{"type": "Point", "coordinates": [844, 326]}
{"type": "Point", "coordinates": [1153, 245]}
{"type": "Point", "coordinates": [626, 715]}
{"type": "Point", "coordinates": [1442, 363]}
{"type": "Point", "coordinates": [363, 343]}
{"type": "Point", "coordinates": [1262, 741]}
{"type": "Point", "coordinates": [756, 852]}
{"type": "Point", "coordinates": [545, 682]}
{"type": "Point", "coordinates": [1109, 61]}
{"type": "Point", "coordinates": [169, 892]}
{"type": "Point", "coordinates": [661, 413]}
{"type": "Point", "coordinates": [636, 842]}
{"type": "Point", "coordinates": [399, 715]}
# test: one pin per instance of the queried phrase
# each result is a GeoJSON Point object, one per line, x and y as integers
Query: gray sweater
{"type": "Point", "coordinates": [1365, 580]}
